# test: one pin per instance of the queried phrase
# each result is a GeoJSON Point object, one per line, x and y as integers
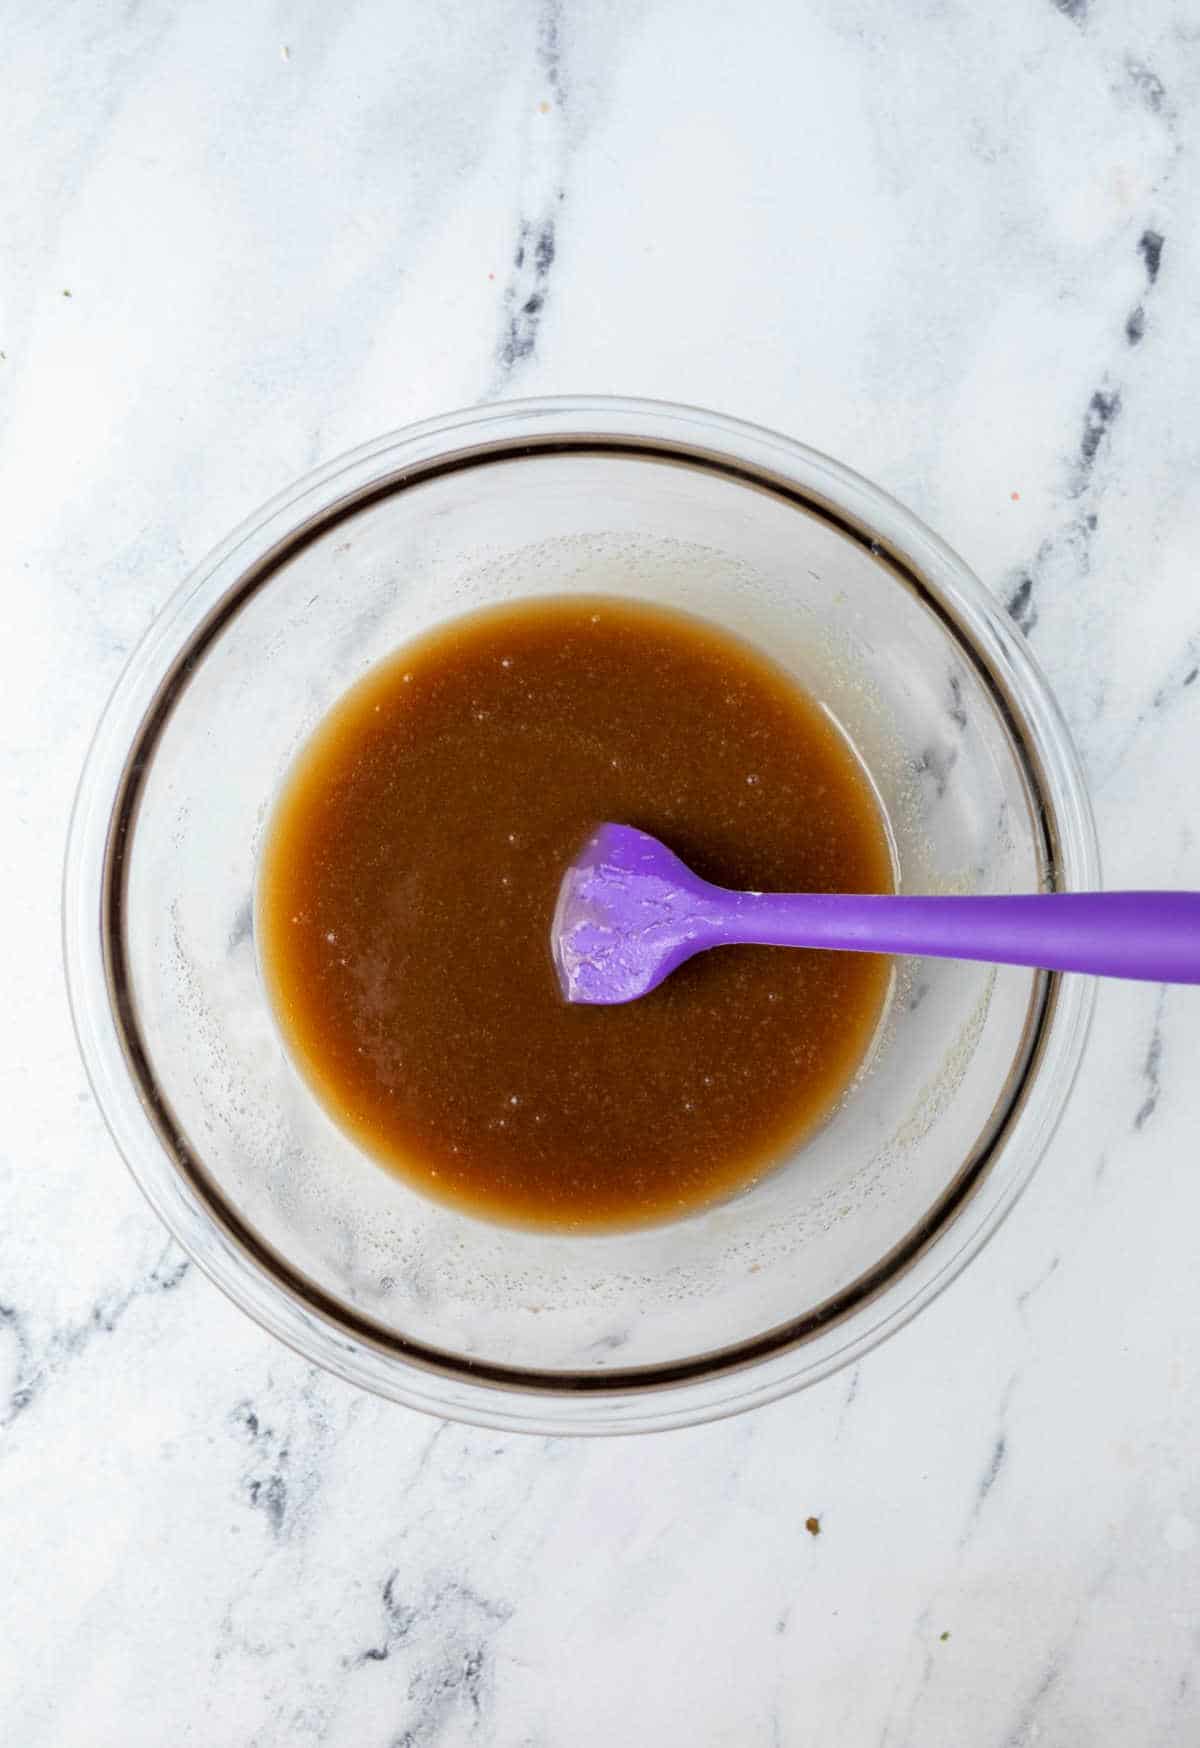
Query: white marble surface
{"type": "Point", "coordinates": [957, 246]}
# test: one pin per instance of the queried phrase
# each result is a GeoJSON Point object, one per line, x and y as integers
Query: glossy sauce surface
{"type": "Point", "coordinates": [408, 880]}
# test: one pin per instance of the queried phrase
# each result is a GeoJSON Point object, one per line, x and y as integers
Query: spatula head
{"type": "Point", "coordinates": [628, 912]}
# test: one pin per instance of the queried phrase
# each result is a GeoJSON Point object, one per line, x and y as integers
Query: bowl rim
{"type": "Point", "coordinates": [170, 1172]}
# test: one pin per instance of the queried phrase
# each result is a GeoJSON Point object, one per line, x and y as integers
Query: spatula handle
{"type": "Point", "coordinates": [1149, 935]}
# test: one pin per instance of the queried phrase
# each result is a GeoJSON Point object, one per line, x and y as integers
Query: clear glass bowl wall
{"type": "Point", "coordinates": [678, 1322]}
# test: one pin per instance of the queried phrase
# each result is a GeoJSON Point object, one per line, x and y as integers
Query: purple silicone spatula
{"type": "Point", "coordinates": [629, 913]}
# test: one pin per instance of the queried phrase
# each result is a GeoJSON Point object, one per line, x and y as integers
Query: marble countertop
{"type": "Point", "coordinates": [956, 247]}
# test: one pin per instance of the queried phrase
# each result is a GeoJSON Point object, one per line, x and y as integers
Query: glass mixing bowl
{"type": "Point", "coordinates": [806, 1269]}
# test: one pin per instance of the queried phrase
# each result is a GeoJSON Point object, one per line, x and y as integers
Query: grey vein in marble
{"type": "Point", "coordinates": [37, 1368]}
{"type": "Point", "coordinates": [1152, 1067]}
{"type": "Point", "coordinates": [527, 288]}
